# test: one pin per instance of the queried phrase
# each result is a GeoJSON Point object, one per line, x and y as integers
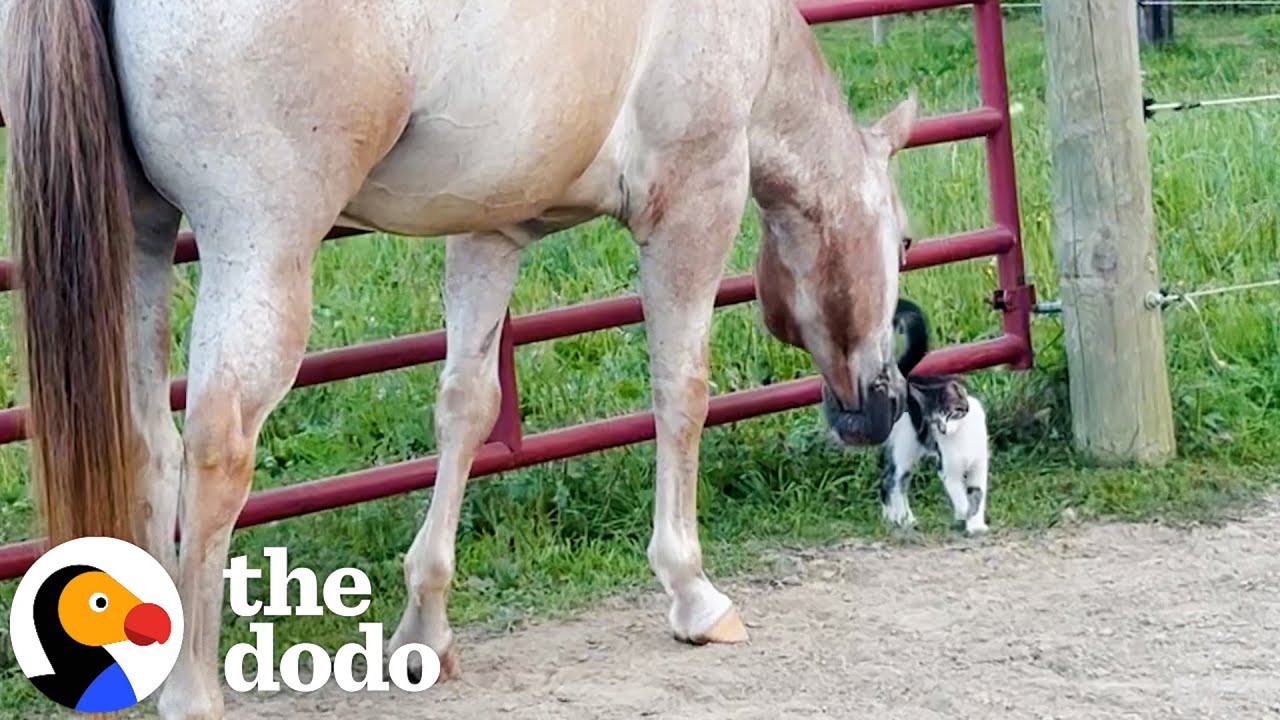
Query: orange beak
{"type": "Point", "coordinates": [146, 624]}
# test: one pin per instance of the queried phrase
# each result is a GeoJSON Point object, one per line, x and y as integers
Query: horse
{"type": "Point", "coordinates": [488, 124]}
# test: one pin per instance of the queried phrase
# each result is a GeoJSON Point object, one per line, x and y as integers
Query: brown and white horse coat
{"type": "Point", "coordinates": [491, 122]}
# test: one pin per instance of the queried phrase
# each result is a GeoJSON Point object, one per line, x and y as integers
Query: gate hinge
{"type": "Point", "coordinates": [1020, 298]}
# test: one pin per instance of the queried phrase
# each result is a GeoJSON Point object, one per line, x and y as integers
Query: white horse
{"type": "Point", "coordinates": [494, 122]}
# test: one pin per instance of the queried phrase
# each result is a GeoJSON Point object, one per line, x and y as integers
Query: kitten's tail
{"type": "Point", "coordinates": [909, 319]}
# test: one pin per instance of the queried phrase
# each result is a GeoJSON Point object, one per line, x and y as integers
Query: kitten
{"type": "Point", "coordinates": [945, 421]}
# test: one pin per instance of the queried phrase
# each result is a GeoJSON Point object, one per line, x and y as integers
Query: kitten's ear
{"type": "Point", "coordinates": [915, 393]}
{"type": "Point", "coordinates": [957, 397]}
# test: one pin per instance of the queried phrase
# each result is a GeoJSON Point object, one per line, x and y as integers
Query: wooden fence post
{"type": "Point", "coordinates": [1103, 230]}
{"type": "Point", "coordinates": [1155, 22]}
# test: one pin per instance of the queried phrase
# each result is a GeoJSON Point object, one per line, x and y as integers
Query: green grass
{"type": "Point", "coordinates": [551, 538]}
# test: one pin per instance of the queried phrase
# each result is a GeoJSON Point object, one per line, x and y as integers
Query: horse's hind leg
{"type": "Point", "coordinates": [156, 230]}
{"type": "Point", "coordinates": [480, 272]}
{"type": "Point", "coordinates": [248, 334]}
{"type": "Point", "coordinates": [685, 234]}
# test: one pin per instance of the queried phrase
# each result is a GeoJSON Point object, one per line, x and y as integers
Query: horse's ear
{"type": "Point", "coordinates": [896, 125]}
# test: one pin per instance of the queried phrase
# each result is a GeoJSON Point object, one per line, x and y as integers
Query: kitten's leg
{"type": "Point", "coordinates": [953, 479]}
{"type": "Point", "coordinates": [976, 487]}
{"type": "Point", "coordinates": [895, 482]}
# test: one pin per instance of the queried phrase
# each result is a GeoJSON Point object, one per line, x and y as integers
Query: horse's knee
{"type": "Point", "coordinates": [216, 442]}
{"type": "Point", "coordinates": [467, 404]}
{"type": "Point", "coordinates": [682, 396]}
{"type": "Point", "coordinates": [219, 455]}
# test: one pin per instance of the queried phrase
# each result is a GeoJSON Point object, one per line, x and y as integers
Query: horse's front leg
{"type": "Point", "coordinates": [480, 272]}
{"type": "Point", "coordinates": [685, 233]}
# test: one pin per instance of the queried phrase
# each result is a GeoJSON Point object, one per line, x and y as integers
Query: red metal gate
{"type": "Point", "coordinates": [508, 449]}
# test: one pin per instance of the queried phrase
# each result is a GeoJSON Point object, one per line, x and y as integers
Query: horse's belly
{"type": "Point", "coordinates": [506, 126]}
{"type": "Point", "coordinates": [438, 181]}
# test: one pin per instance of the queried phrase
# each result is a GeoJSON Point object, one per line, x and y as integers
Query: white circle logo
{"type": "Point", "coordinates": [96, 624]}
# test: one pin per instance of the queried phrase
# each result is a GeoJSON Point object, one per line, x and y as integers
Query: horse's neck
{"type": "Point", "coordinates": [803, 138]}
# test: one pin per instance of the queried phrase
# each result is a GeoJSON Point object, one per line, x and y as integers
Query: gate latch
{"type": "Point", "coordinates": [1014, 299]}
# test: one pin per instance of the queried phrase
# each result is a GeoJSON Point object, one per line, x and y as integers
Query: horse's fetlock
{"type": "Point", "coordinates": [674, 561]}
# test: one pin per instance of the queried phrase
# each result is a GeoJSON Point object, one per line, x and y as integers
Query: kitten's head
{"type": "Point", "coordinates": [943, 401]}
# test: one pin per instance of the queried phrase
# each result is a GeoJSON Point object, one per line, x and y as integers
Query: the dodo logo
{"type": "Point", "coordinates": [96, 624]}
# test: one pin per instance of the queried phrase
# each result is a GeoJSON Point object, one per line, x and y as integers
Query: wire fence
{"type": "Point", "coordinates": [1224, 4]}
{"type": "Point", "coordinates": [1162, 299]}
{"type": "Point", "coordinates": [1150, 107]}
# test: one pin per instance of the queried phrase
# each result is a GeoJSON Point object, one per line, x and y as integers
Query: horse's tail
{"type": "Point", "coordinates": [72, 233]}
{"type": "Point", "coordinates": [909, 318]}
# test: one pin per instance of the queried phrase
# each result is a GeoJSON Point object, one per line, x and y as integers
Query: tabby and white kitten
{"type": "Point", "coordinates": [943, 421]}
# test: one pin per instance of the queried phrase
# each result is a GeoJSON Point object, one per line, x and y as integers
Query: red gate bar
{"type": "Point", "coordinates": [402, 352]}
{"type": "Point", "coordinates": [495, 457]}
{"type": "Point", "coordinates": [824, 11]}
{"type": "Point", "coordinates": [507, 450]}
{"type": "Point", "coordinates": [1014, 296]}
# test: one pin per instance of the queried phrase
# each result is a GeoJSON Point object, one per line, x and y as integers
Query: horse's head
{"type": "Point", "coordinates": [827, 274]}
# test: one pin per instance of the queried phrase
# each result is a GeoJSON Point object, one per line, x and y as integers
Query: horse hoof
{"type": "Point", "coordinates": [449, 669]}
{"type": "Point", "coordinates": [449, 666]}
{"type": "Point", "coordinates": [727, 630]}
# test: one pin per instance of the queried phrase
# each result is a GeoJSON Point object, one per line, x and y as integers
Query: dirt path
{"type": "Point", "coordinates": [1116, 621]}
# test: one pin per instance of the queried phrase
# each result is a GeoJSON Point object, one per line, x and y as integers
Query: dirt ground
{"type": "Point", "coordinates": [1111, 621]}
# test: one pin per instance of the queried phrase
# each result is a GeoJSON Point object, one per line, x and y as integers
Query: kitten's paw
{"type": "Point", "coordinates": [975, 527]}
{"type": "Point", "coordinates": [974, 495]}
{"type": "Point", "coordinates": [898, 515]}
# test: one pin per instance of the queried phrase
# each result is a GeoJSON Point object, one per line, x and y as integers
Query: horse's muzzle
{"type": "Point", "coordinates": [881, 402]}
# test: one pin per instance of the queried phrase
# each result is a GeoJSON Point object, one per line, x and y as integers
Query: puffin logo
{"type": "Point", "coordinates": [96, 624]}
